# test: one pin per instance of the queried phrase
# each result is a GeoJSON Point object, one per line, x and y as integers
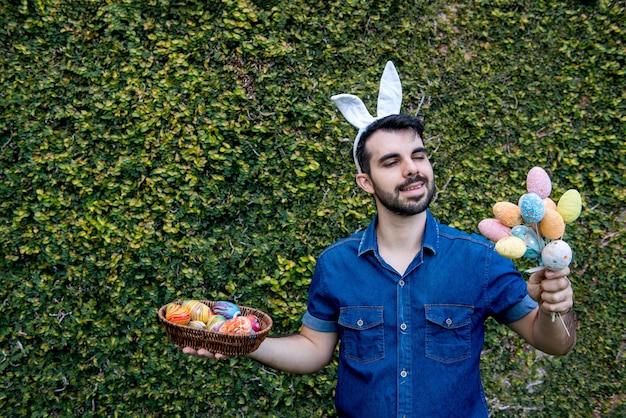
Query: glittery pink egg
{"type": "Point", "coordinates": [493, 229]}
{"type": "Point", "coordinates": [538, 182]}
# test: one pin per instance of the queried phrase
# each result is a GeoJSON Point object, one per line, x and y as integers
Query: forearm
{"type": "Point", "coordinates": [556, 337]}
{"type": "Point", "coordinates": [303, 353]}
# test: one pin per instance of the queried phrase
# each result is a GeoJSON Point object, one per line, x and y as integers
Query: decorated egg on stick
{"type": "Point", "coordinates": [552, 225]}
{"type": "Point", "coordinates": [538, 182]}
{"type": "Point", "coordinates": [549, 203]}
{"type": "Point", "coordinates": [511, 247]}
{"type": "Point", "coordinates": [556, 255]}
{"type": "Point", "coordinates": [533, 242]}
{"type": "Point", "coordinates": [493, 229]}
{"type": "Point", "coordinates": [508, 213]}
{"type": "Point", "coordinates": [531, 208]}
{"type": "Point", "coordinates": [570, 205]}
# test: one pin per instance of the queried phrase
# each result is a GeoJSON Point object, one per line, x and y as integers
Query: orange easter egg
{"type": "Point", "coordinates": [508, 213]}
{"type": "Point", "coordinates": [178, 315]}
{"type": "Point", "coordinates": [237, 325]}
{"type": "Point", "coordinates": [552, 226]}
{"type": "Point", "coordinates": [549, 203]}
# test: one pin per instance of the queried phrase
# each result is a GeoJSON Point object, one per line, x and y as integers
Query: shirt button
{"type": "Point", "coordinates": [401, 283]}
{"type": "Point", "coordinates": [448, 322]}
{"type": "Point", "coordinates": [359, 322]}
{"type": "Point", "coordinates": [403, 373]}
{"type": "Point", "coordinates": [403, 326]}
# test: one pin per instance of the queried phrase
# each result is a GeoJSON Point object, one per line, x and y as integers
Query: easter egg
{"type": "Point", "coordinates": [198, 310]}
{"type": "Point", "coordinates": [227, 309]}
{"type": "Point", "coordinates": [197, 324]}
{"type": "Point", "coordinates": [178, 315]}
{"type": "Point", "coordinates": [549, 203]}
{"type": "Point", "coordinates": [531, 208]}
{"type": "Point", "coordinates": [493, 229]}
{"type": "Point", "coordinates": [556, 255]}
{"type": "Point", "coordinates": [538, 182]}
{"type": "Point", "coordinates": [215, 323]}
{"type": "Point", "coordinates": [570, 205]}
{"type": "Point", "coordinates": [237, 325]}
{"type": "Point", "coordinates": [533, 242]}
{"type": "Point", "coordinates": [254, 321]}
{"type": "Point", "coordinates": [170, 306]}
{"type": "Point", "coordinates": [552, 225]}
{"type": "Point", "coordinates": [508, 213]}
{"type": "Point", "coordinates": [511, 247]}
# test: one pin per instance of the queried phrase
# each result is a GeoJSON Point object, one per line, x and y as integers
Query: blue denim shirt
{"type": "Point", "coordinates": [410, 344]}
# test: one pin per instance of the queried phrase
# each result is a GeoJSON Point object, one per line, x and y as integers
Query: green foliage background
{"type": "Point", "coordinates": [156, 150]}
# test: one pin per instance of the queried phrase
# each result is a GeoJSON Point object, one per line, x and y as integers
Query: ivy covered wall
{"type": "Point", "coordinates": [158, 150]}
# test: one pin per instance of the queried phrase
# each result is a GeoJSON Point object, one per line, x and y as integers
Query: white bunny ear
{"type": "Point", "coordinates": [353, 109]}
{"type": "Point", "coordinates": [390, 92]}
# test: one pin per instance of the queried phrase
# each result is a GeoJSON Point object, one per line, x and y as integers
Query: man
{"type": "Point", "coordinates": [407, 298]}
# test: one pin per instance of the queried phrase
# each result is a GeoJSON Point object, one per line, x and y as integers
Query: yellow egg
{"type": "Point", "coordinates": [508, 213]}
{"type": "Point", "coordinates": [511, 247]}
{"type": "Point", "coordinates": [198, 310]}
{"type": "Point", "coordinates": [552, 225]}
{"type": "Point", "coordinates": [570, 205]}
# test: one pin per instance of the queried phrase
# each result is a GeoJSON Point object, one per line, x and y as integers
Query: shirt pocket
{"type": "Point", "coordinates": [362, 333]}
{"type": "Point", "coordinates": [448, 332]}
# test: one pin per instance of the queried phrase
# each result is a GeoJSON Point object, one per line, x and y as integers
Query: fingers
{"type": "Point", "coordinates": [557, 294]}
{"type": "Point", "coordinates": [548, 274]}
{"type": "Point", "coordinates": [204, 353]}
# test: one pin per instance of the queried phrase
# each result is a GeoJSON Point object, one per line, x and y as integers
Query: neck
{"type": "Point", "coordinates": [400, 238]}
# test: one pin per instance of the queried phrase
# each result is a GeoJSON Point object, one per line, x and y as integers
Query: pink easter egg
{"type": "Point", "coordinates": [493, 229]}
{"type": "Point", "coordinates": [538, 182]}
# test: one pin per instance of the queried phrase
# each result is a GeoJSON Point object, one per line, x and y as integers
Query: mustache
{"type": "Point", "coordinates": [410, 181]}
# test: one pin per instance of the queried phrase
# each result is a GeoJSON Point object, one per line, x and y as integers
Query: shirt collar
{"type": "Point", "coordinates": [430, 240]}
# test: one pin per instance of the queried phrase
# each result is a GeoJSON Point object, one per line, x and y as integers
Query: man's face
{"type": "Point", "coordinates": [401, 176]}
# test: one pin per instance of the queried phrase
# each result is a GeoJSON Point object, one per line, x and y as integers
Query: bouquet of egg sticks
{"type": "Point", "coordinates": [534, 227]}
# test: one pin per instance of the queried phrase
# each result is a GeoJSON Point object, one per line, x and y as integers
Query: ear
{"type": "Point", "coordinates": [353, 109]}
{"type": "Point", "coordinates": [390, 92]}
{"type": "Point", "coordinates": [365, 182]}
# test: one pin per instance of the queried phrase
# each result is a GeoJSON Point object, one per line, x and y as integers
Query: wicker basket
{"type": "Point", "coordinates": [217, 342]}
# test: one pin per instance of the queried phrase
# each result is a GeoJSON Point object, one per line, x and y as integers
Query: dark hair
{"type": "Point", "coordinates": [391, 123]}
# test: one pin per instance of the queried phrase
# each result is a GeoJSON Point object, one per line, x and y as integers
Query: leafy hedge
{"type": "Point", "coordinates": [189, 149]}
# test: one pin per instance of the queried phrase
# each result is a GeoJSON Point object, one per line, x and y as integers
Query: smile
{"type": "Point", "coordinates": [413, 186]}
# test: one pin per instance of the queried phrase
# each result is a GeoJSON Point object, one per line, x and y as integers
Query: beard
{"type": "Point", "coordinates": [391, 199]}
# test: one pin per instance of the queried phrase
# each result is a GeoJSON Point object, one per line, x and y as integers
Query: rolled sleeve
{"type": "Point", "coordinates": [518, 311]}
{"type": "Point", "coordinates": [317, 324]}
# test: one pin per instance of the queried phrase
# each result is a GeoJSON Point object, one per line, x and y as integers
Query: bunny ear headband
{"type": "Point", "coordinates": [389, 101]}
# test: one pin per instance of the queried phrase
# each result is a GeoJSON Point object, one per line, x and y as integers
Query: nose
{"type": "Point", "coordinates": [410, 168]}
